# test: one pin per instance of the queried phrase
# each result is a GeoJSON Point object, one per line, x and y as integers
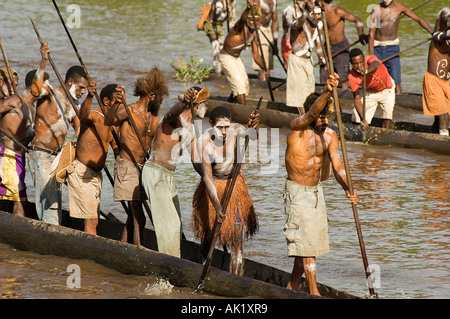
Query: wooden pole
{"type": "Point", "coordinates": [347, 168]}
{"type": "Point", "coordinates": [258, 39]}
{"type": "Point", "coordinates": [8, 69]}
{"type": "Point", "coordinates": [407, 49]}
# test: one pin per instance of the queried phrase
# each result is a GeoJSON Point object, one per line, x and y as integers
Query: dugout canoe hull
{"type": "Point", "coordinates": [402, 134]}
{"type": "Point", "coordinates": [257, 280]}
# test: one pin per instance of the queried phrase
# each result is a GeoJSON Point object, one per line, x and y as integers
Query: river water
{"type": "Point", "coordinates": [404, 209]}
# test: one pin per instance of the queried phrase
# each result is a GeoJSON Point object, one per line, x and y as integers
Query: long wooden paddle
{"type": "Point", "coordinates": [12, 138]}
{"type": "Point", "coordinates": [407, 49]}
{"type": "Point", "coordinates": [277, 55]}
{"type": "Point", "coordinates": [347, 167]}
{"type": "Point", "coordinates": [72, 102]}
{"type": "Point", "coordinates": [116, 138]}
{"type": "Point", "coordinates": [258, 39]}
{"type": "Point", "coordinates": [8, 69]}
{"type": "Point", "coordinates": [225, 200]}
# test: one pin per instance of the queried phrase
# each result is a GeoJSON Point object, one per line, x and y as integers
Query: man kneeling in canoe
{"type": "Point", "coordinates": [218, 153]}
{"type": "Point", "coordinates": [311, 145]}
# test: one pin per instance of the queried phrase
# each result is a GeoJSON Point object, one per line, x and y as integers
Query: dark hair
{"type": "Point", "coordinates": [311, 99]}
{"type": "Point", "coordinates": [327, 1]}
{"type": "Point", "coordinates": [219, 112]}
{"type": "Point", "coordinates": [355, 52]}
{"type": "Point", "coordinates": [30, 76]}
{"type": "Point", "coordinates": [107, 92]}
{"type": "Point", "coordinates": [76, 73]}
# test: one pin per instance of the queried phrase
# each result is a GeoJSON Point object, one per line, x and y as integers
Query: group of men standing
{"type": "Point", "coordinates": [303, 33]}
{"type": "Point", "coordinates": [146, 147]}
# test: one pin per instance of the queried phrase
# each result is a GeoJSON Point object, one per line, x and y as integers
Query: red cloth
{"type": "Point", "coordinates": [376, 81]}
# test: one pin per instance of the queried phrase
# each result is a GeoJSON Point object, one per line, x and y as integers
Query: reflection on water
{"type": "Point", "coordinates": [404, 209]}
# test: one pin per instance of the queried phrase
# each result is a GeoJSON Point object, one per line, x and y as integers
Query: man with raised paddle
{"type": "Point", "coordinates": [17, 116]}
{"type": "Point", "coordinates": [84, 178]}
{"type": "Point", "coordinates": [151, 90]}
{"type": "Point", "coordinates": [54, 116]}
{"type": "Point", "coordinates": [311, 148]}
{"type": "Point", "coordinates": [241, 36]}
{"type": "Point", "coordinates": [174, 134]}
{"type": "Point", "coordinates": [436, 87]}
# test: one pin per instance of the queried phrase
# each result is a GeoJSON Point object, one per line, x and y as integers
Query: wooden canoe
{"type": "Point", "coordinates": [402, 134]}
{"type": "Point", "coordinates": [257, 280]}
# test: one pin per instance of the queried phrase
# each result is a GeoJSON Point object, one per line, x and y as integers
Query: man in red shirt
{"type": "Point", "coordinates": [380, 88]}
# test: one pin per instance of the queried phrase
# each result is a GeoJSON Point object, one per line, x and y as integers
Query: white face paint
{"type": "Point", "coordinates": [72, 91]}
{"type": "Point", "coordinates": [223, 122]}
{"type": "Point", "coordinates": [201, 110]}
{"type": "Point", "coordinates": [387, 2]}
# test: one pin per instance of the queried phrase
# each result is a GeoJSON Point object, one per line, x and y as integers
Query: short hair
{"type": "Point", "coordinates": [76, 73]}
{"type": "Point", "coordinates": [219, 112]}
{"type": "Point", "coordinates": [108, 91]}
{"type": "Point", "coordinates": [355, 52]}
{"type": "Point", "coordinates": [327, 1]}
{"type": "Point", "coordinates": [152, 82]}
{"type": "Point", "coordinates": [30, 76]}
{"type": "Point", "coordinates": [311, 99]}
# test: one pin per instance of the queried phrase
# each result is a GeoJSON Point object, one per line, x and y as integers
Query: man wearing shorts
{"type": "Point", "coordinates": [380, 88]}
{"type": "Point", "coordinates": [151, 89]}
{"type": "Point", "coordinates": [311, 146]}
{"type": "Point", "coordinates": [84, 179]}
{"type": "Point", "coordinates": [241, 36]}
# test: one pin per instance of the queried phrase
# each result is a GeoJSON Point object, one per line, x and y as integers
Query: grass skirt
{"type": "Point", "coordinates": [240, 214]}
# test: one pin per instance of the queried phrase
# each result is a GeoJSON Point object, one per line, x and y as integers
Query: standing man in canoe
{"type": "Point", "coordinates": [311, 146]}
{"type": "Point", "coordinates": [336, 18]}
{"type": "Point", "coordinates": [436, 87]}
{"type": "Point", "coordinates": [304, 35]}
{"type": "Point", "coordinates": [17, 115]}
{"type": "Point", "coordinates": [175, 132]}
{"type": "Point", "coordinates": [241, 36]}
{"type": "Point", "coordinates": [54, 116]}
{"type": "Point", "coordinates": [383, 36]}
{"type": "Point", "coordinates": [84, 179]}
{"type": "Point", "coordinates": [151, 90]}
{"type": "Point", "coordinates": [220, 149]}
{"type": "Point", "coordinates": [380, 88]}
{"type": "Point", "coordinates": [215, 30]}
{"type": "Point", "coordinates": [268, 34]}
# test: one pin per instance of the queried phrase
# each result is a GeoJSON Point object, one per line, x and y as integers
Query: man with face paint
{"type": "Point", "coordinates": [304, 35]}
{"type": "Point", "coordinates": [311, 146]}
{"type": "Point", "coordinates": [383, 35]}
{"type": "Point", "coordinates": [174, 133]}
{"type": "Point", "coordinates": [151, 90]}
{"type": "Point", "coordinates": [54, 116]}
{"type": "Point", "coordinates": [240, 37]}
{"type": "Point", "coordinates": [218, 149]}
{"type": "Point", "coordinates": [336, 18]}
{"type": "Point", "coordinates": [436, 87]}
{"type": "Point", "coordinates": [84, 178]}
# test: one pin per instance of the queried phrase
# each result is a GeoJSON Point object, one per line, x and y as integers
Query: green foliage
{"type": "Point", "coordinates": [193, 72]}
